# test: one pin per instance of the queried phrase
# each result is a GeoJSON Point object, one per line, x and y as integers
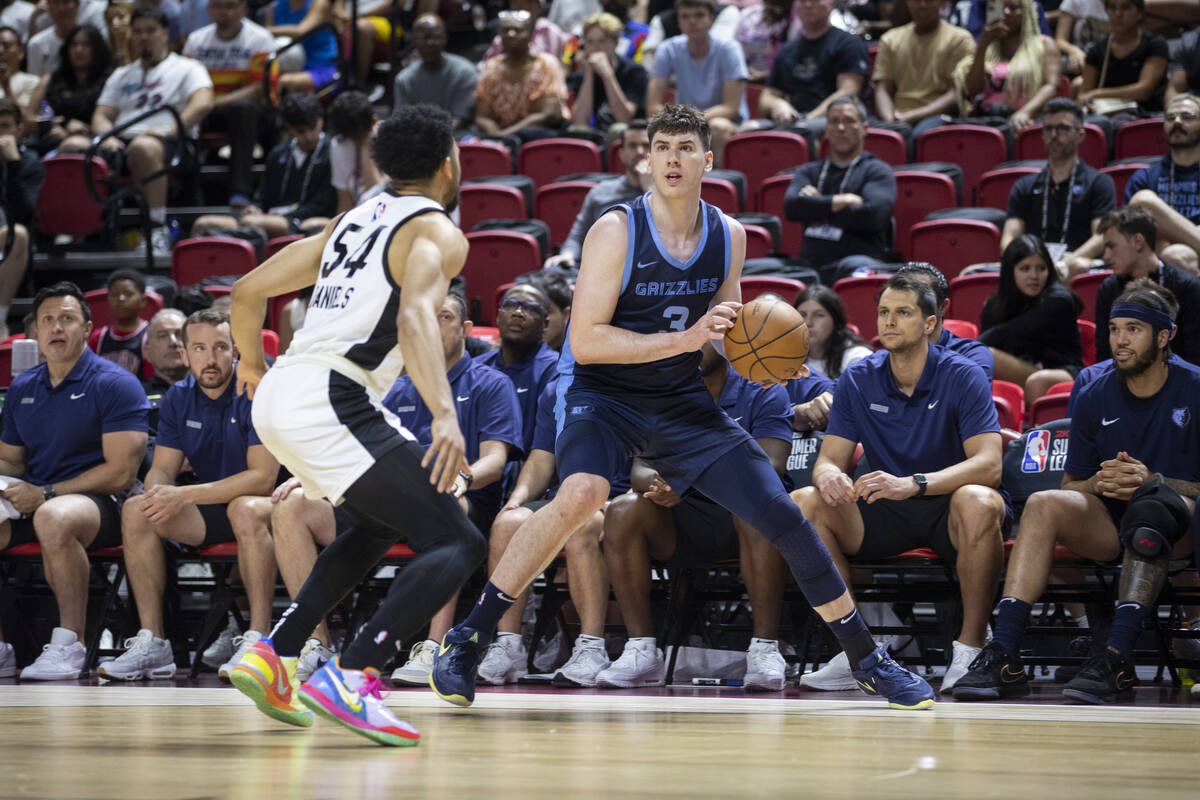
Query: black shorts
{"type": "Point", "coordinates": [704, 533]}
{"type": "Point", "coordinates": [109, 535]}
{"type": "Point", "coordinates": [216, 524]}
{"type": "Point", "coordinates": [170, 144]}
{"type": "Point", "coordinates": [892, 526]}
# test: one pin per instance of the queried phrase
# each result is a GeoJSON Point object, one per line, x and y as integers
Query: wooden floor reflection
{"type": "Point", "coordinates": [168, 742]}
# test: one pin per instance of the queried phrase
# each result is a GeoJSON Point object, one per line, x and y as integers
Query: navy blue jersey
{"type": "Point", "coordinates": [1089, 374]}
{"type": "Point", "coordinates": [658, 294]}
{"type": "Point", "coordinates": [804, 390]}
{"type": "Point", "coordinates": [213, 435]}
{"type": "Point", "coordinates": [1160, 431]}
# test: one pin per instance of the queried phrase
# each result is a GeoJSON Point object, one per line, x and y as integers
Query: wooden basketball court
{"type": "Point", "coordinates": [167, 741]}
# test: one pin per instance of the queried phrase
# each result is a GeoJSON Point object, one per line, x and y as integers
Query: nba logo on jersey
{"type": "Point", "coordinates": [380, 209]}
{"type": "Point", "coordinates": [1037, 449]}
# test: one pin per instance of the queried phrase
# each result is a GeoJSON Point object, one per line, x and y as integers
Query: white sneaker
{"type": "Point", "coordinates": [833, 677]}
{"type": "Point", "coordinates": [587, 660]}
{"type": "Point", "coordinates": [160, 241]}
{"type": "Point", "coordinates": [312, 658]}
{"type": "Point", "coordinates": [221, 650]}
{"type": "Point", "coordinates": [960, 661]}
{"type": "Point", "coordinates": [415, 671]}
{"type": "Point", "coordinates": [551, 654]}
{"type": "Point", "coordinates": [8, 661]}
{"type": "Point", "coordinates": [242, 645]}
{"type": "Point", "coordinates": [639, 665]}
{"type": "Point", "coordinates": [145, 656]}
{"type": "Point", "coordinates": [505, 660]}
{"type": "Point", "coordinates": [765, 666]}
{"type": "Point", "coordinates": [61, 660]}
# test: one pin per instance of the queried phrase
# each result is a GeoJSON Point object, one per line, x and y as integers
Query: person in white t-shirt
{"type": "Point", "coordinates": [234, 50]}
{"type": "Point", "coordinates": [46, 35]}
{"type": "Point", "coordinates": [159, 78]}
{"type": "Point", "coordinates": [16, 14]}
{"type": "Point", "coordinates": [352, 122]}
{"type": "Point", "coordinates": [14, 84]}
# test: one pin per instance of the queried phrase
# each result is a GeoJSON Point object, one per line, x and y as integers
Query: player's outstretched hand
{"type": "Point", "coordinates": [880, 485]}
{"type": "Point", "coordinates": [447, 452]}
{"type": "Point", "coordinates": [714, 324]}
{"type": "Point", "coordinates": [248, 378]}
{"type": "Point", "coordinates": [837, 490]}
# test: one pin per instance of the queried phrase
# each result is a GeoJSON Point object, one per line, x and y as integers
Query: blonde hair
{"type": "Point", "coordinates": [605, 22]}
{"type": "Point", "coordinates": [1024, 68]}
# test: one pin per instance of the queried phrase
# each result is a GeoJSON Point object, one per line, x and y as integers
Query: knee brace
{"type": "Point", "coordinates": [1156, 519]}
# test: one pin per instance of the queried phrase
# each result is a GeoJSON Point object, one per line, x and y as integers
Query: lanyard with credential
{"type": "Point", "coordinates": [1066, 211]}
{"type": "Point", "coordinates": [825, 173]}
{"type": "Point", "coordinates": [287, 170]}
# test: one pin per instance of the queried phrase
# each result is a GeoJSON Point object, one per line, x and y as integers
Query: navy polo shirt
{"type": "Point", "coordinates": [970, 349]}
{"type": "Point", "coordinates": [1160, 431]}
{"type": "Point", "coordinates": [765, 412]}
{"type": "Point", "coordinates": [530, 376]}
{"type": "Point", "coordinates": [61, 427]}
{"type": "Point", "coordinates": [903, 435]}
{"type": "Point", "coordinates": [487, 411]}
{"type": "Point", "coordinates": [213, 435]}
{"type": "Point", "coordinates": [804, 390]}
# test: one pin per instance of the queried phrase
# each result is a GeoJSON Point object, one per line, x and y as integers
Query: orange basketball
{"type": "Point", "coordinates": [768, 342]}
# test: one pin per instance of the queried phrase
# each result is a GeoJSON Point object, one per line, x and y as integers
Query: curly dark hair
{"type": "Point", "coordinates": [676, 118]}
{"type": "Point", "coordinates": [300, 110]}
{"type": "Point", "coordinates": [552, 283]}
{"type": "Point", "coordinates": [842, 338]}
{"type": "Point", "coordinates": [413, 142]}
{"type": "Point", "coordinates": [1148, 294]}
{"type": "Point", "coordinates": [351, 115]}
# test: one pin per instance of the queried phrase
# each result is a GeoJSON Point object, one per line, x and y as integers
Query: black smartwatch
{"type": "Point", "coordinates": [922, 484]}
{"type": "Point", "coordinates": [467, 477]}
{"type": "Point", "coordinates": [48, 492]}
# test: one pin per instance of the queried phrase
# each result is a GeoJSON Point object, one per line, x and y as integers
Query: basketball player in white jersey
{"type": "Point", "coordinates": [381, 271]}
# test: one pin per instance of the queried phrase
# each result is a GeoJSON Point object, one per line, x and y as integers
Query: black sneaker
{"type": "Point", "coordinates": [1081, 647]}
{"type": "Point", "coordinates": [992, 675]}
{"type": "Point", "coordinates": [1105, 679]}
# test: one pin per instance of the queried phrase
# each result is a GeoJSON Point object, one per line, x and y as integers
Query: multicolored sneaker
{"type": "Point", "coordinates": [269, 680]}
{"type": "Point", "coordinates": [456, 664]}
{"type": "Point", "coordinates": [353, 698]}
{"type": "Point", "coordinates": [879, 674]}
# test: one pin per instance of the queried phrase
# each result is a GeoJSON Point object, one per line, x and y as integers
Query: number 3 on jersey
{"type": "Point", "coordinates": [678, 317]}
{"type": "Point", "coordinates": [358, 259]}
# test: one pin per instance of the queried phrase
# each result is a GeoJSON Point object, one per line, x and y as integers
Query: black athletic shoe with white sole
{"type": "Point", "coordinates": [1105, 679]}
{"type": "Point", "coordinates": [992, 675]}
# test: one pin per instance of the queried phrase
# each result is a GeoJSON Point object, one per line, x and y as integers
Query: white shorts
{"type": "Point", "coordinates": [326, 428]}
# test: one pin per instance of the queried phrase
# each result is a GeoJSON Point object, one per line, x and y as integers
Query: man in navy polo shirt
{"type": "Point", "coordinates": [653, 522]}
{"type": "Point", "coordinates": [928, 427]}
{"type": "Point", "coordinates": [970, 349]}
{"type": "Point", "coordinates": [201, 419]}
{"type": "Point", "coordinates": [490, 418]}
{"type": "Point", "coordinates": [811, 399]}
{"type": "Point", "coordinates": [1131, 479]}
{"type": "Point", "coordinates": [523, 354]}
{"type": "Point", "coordinates": [74, 434]}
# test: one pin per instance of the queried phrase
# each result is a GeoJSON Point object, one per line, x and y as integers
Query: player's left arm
{"type": "Point", "coordinates": [731, 290]}
{"type": "Point", "coordinates": [291, 269]}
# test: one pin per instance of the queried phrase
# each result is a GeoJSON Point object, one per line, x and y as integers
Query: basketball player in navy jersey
{"type": "Point", "coordinates": [381, 272]}
{"type": "Point", "coordinates": [660, 277]}
{"type": "Point", "coordinates": [1128, 493]}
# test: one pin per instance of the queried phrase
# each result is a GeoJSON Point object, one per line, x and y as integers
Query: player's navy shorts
{"type": "Point", "coordinates": [679, 436]}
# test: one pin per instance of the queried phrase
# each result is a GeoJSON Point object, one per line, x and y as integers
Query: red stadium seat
{"type": "Point", "coordinates": [558, 204]}
{"type": "Point", "coordinates": [1086, 286]}
{"type": "Point", "coordinates": [97, 301]}
{"type": "Point", "coordinates": [961, 328]}
{"type": "Point", "coordinates": [762, 154]}
{"type": "Point", "coordinates": [1061, 388]}
{"type": "Point", "coordinates": [495, 257]}
{"type": "Point", "coordinates": [787, 288]}
{"type": "Point", "coordinates": [1048, 408]}
{"type": "Point", "coordinates": [280, 242]}
{"type": "Point", "coordinates": [1120, 174]}
{"type": "Point", "coordinates": [753, 94]}
{"type": "Point", "coordinates": [6, 375]}
{"type": "Point", "coordinates": [858, 298]}
{"type": "Point", "coordinates": [1005, 414]}
{"type": "Point", "coordinates": [270, 343]}
{"type": "Point", "coordinates": [1087, 338]}
{"type": "Point", "coordinates": [975, 148]}
{"type": "Point", "coordinates": [770, 201]}
{"type": "Point", "coordinates": [1093, 150]}
{"type": "Point", "coordinates": [887, 146]}
{"type": "Point", "coordinates": [1141, 137]}
{"type": "Point", "coordinates": [483, 201]}
{"type": "Point", "coordinates": [968, 293]}
{"type": "Point", "coordinates": [486, 333]}
{"type": "Point", "coordinates": [995, 186]}
{"type": "Point", "coordinates": [918, 193]}
{"type": "Point", "coordinates": [546, 160]}
{"type": "Point", "coordinates": [952, 245]}
{"type": "Point", "coordinates": [481, 159]}
{"type": "Point", "coordinates": [613, 158]}
{"type": "Point", "coordinates": [720, 193]}
{"type": "Point", "coordinates": [1014, 398]}
{"type": "Point", "coordinates": [63, 204]}
{"type": "Point", "coordinates": [193, 260]}
{"type": "Point", "coordinates": [759, 243]}
{"type": "Point", "coordinates": [275, 308]}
